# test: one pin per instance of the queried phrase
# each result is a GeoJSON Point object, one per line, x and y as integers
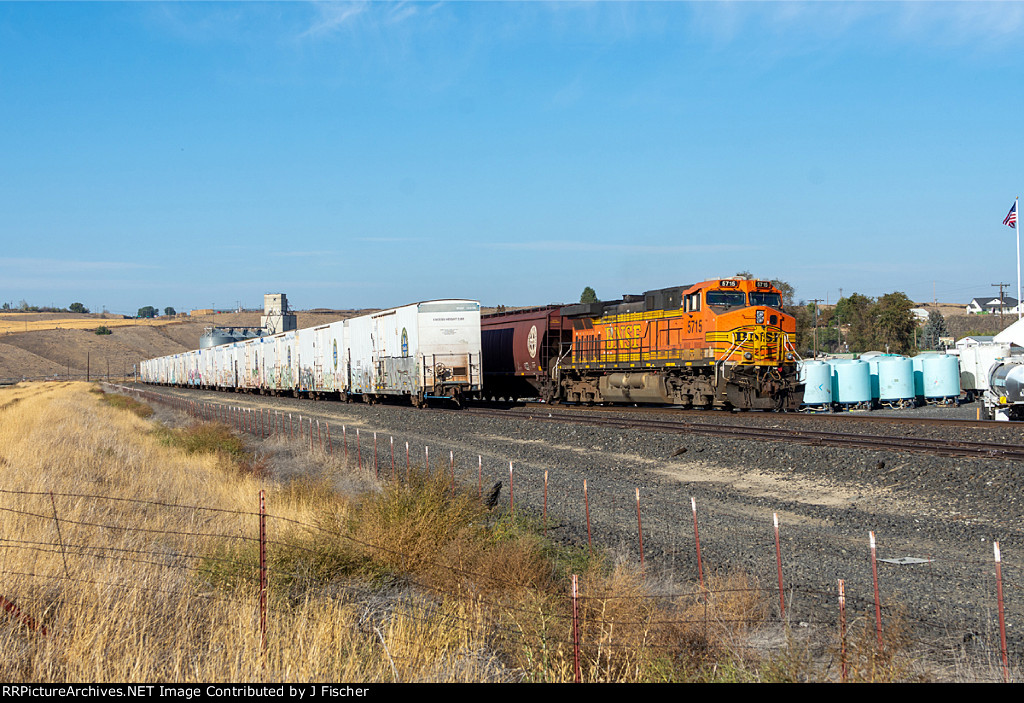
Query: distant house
{"type": "Point", "coordinates": [920, 313]}
{"type": "Point", "coordinates": [980, 306]}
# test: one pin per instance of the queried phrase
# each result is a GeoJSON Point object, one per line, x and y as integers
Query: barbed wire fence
{"type": "Point", "coordinates": [830, 613]}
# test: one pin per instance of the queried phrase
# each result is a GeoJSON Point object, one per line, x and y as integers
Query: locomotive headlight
{"type": "Point", "coordinates": [789, 356]}
{"type": "Point", "coordinates": [748, 356]}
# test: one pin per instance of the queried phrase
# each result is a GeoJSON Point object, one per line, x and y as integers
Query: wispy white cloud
{"type": "Point", "coordinates": [332, 16]}
{"type": "Point", "coordinates": [584, 246]}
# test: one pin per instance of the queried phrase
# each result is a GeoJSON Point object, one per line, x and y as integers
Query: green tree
{"type": "Point", "coordinates": [169, 312]}
{"type": "Point", "coordinates": [787, 291]}
{"type": "Point", "coordinates": [588, 295]}
{"type": "Point", "coordinates": [894, 323]}
{"type": "Point", "coordinates": [148, 311]}
{"type": "Point", "coordinates": [857, 315]}
{"type": "Point", "coordinates": [933, 330]}
{"type": "Point", "coordinates": [79, 308]}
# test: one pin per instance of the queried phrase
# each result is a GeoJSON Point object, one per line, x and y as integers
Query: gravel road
{"type": "Point", "coordinates": [946, 511]}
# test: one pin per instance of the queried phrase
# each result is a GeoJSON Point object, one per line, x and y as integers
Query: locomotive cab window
{"type": "Point", "coordinates": [726, 298]}
{"type": "Point", "coordinates": [693, 302]}
{"type": "Point", "coordinates": [772, 300]}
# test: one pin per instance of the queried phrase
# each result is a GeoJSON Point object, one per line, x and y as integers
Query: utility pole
{"type": "Point", "coordinates": [1000, 286]}
{"type": "Point", "coordinates": [816, 301]}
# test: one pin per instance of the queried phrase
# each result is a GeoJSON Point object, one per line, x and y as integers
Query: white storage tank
{"type": "Point", "coordinates": [817, 379]}
{"type": "Point", "coordinates": [895, 379]}
{"type": "Point", "coordinates": [940, 377]}
{"type": "Point", "coordinates": [851, 382]}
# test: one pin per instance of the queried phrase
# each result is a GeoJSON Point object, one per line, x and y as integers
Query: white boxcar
{"type": "Point", "coordinates": [424, 350]}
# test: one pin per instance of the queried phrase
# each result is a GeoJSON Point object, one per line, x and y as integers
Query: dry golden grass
{"type": "Point", "coordinates": [26, 322]}
{"type": "Point", "coordinates": [133, 545]}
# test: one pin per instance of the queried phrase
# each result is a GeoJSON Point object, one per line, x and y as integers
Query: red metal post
{"type": "Point", "coordinates": [640, 530]}
{"type": "Point", "coordinates": [842, 632]}
{"type": "Point", "coordinates": [263, 572]}
{"type": "Point", "coordinates": [696, 538]}
{"type": "Point", "coordinates": [878, 604]}
{"type": "Point", "coordinates": [1002, 616]}
{"type": "Point", "coordinates": [778, 563]}
{"type": "Point", "coordinates": [577, 674]}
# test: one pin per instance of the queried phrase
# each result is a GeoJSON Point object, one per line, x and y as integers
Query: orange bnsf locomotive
{"type": "Point", "coordinates": [721, 343]}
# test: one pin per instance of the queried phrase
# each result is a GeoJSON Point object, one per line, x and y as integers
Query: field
{"type": "Point", "coordinates": [64, 345]}
{"type": "Point", "coordinates": [134, 556]}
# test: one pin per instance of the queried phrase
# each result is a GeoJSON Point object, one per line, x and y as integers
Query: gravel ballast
{"type": "Point", "coordinates": [946, 511]}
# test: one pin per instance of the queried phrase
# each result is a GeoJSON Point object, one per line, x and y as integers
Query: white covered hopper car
{"type": "Point", "coordinates": [423, 351]}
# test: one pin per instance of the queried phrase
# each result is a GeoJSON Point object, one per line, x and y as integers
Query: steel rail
{"type": "Point", "coordinates": [941, 447]}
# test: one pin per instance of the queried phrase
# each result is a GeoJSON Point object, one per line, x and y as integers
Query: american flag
{"type": "Point", "coordinates": [1011, 217]}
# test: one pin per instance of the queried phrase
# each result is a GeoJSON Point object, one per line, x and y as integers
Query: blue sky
{"type": "Point", "coordinates": [373, 154]}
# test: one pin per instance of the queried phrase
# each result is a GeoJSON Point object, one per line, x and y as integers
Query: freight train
{"type": "Point", "coordinates": [723, 343]}
{"type": "Point", "coordinates": [422, 352]}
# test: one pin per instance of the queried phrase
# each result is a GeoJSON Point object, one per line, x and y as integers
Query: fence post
{"type": "Point", "coordinates": [639, 531]}
{"type": "Point", "coordinates": [1002, 618]}
{"type": "Point", "coordinates": [842, 631]}
{"type": "Point", "coordinates": [696, 538]}
{"type": "Point", "coordinates": [577, 674]}
{"type": "Point", "coordinates": [511, 498]}
{"type": "Point", "coordinates": [878, 605]}
{"type": "Point", "coordinates": [394, 477]}
{"type": "Point", "coordinates": [778, 562]}
{"type": "Point", "coordinates": [263, 573]}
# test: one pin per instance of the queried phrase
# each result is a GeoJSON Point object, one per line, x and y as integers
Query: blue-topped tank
{"type": "Point", "coordinates": [895, 378]}
{"type": "Point", "coordinates": [817, 379]}
{"type": "Point", "coordinates": [940, 376]}
{"type": "Point", "coordinates": [851, 381]}
{"type": "Point", "coordinates": [872, 358]}
{"type": "Point", "coordinates": [918, 363]}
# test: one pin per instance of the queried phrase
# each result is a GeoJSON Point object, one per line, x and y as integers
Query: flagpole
{"type": "Point", "coordinates": [1016, 202]}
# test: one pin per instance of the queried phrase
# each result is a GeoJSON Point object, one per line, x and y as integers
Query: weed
{"type": "Point", "coordinates": [124, 402]}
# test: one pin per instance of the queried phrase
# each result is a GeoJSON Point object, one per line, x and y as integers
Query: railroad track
{"type": "Point", "coordinates": [900, 443]}
{"type": "Point", "coordinates": [725, 425]}
{"type": "Point", "coordinates": [722, 415]}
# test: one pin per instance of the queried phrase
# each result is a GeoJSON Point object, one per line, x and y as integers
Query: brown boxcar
{"type": "Point", "coordinates": [520, 349]}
